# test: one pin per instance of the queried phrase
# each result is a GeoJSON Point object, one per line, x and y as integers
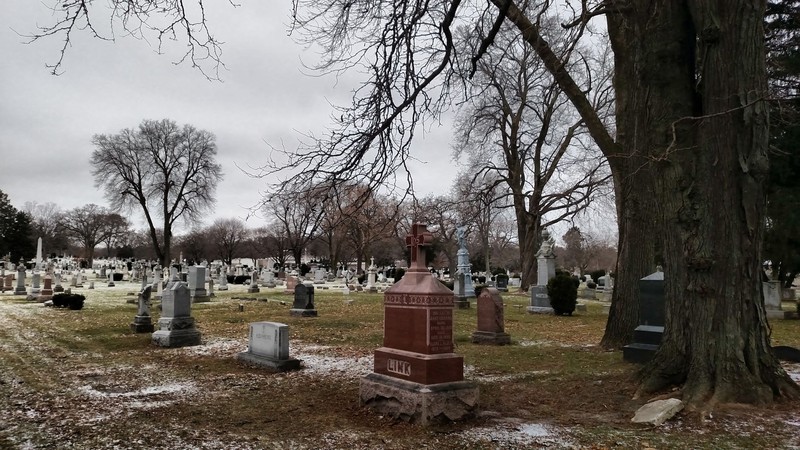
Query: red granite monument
{"type": "Point", "coordinates": [416, 375]}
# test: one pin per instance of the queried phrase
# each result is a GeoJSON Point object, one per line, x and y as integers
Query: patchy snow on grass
{"type": "Point", "coordinates": [515, 435]}
{"type": "Point", "coordinates": [171, 388]}
{"type": "Point", "coordinates": [471, 372]}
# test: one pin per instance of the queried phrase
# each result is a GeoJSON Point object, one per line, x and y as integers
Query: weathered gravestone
{"type": "Point", "coordinates": [36, 280]}
{"type": "Point", "coordinates": [47, 290]}
{"type": "Point", "coordinates": [20, 289]}
{"type": "Point", "coordinates": [647, 336]}
{"type": "Point", "coordinates": [253, 287]}
{"type": "Point", "coordinates": [463, 287]}
{"type": "Point", "coordinates": [303, 301]}
{"type": "Point", "coordinates": [197, 284]}
{"type": "Point", "coordinates": [142, 322]}
{"type": "Point", "coordinates": [269, 347]}
{"type": "Point", "coordinates": [416, 376]}
{"type": "Point", "coordinates": [58, 287]}
{"type": "Point", "coordinates": [176, 325]}
{"type": "Point", "coordinates": [772, 300]}
{"type": "Point", "coordinates": [491, 325]}
{"type": "Point", "coordinates": [291, 283]}
{"type": "Point", "coordinates": [546, 259]}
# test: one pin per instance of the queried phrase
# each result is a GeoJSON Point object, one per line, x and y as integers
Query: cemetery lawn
{"type": "Point", "coordinates": [83, 380]}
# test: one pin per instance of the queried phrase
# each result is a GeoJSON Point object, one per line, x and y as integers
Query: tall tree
{"type": "Point", "coordinates": [297, 219]}
{"type": "Point", "coordinates": [227, 236]}
{"type": "Point", "coordinates": [88, 226]}
{"type": "Point", "coordinates": [47, 225]}
{"type": "Point", "coordinates": [16, 228]}
{"type": "Point", "coordinates": [517, 125]}
{"type": "Point", "coordinates": [166, 171]}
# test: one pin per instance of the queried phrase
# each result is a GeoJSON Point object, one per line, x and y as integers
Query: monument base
{"type": "Point", "coordinates": [461, 302]}
{"type": "Point", "coordinates": [176, 338]}
{"type": "Point", "coordinates": [201, 299]}
{"type": "Point", "coordinates": [540, 310]}
{"type": "Point", "coordinates": [20, 291]}
{"type": "Point", "coordinates": [176, 332]}
{"type": "Point", "coordinates": [777, 314]}
{"type": "Point", "coordinates": [303, 312]}
{"type": "Point", "coordinates": [142, 324]}
{"type": "Point", "coordinates": [275, 365]}
{"type": "Point", "coordinates": [423, 404]}
{"type": "Point", "coordinates": [490, 338]}
{"type": "Point", "coordinates": [253, 290]}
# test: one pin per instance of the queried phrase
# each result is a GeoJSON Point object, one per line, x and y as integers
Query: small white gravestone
{"type": "Point", "coordinates": [269, 347]}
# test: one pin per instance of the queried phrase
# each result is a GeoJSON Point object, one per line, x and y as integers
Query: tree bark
{"type": "Point", "coordinates": [703, 66]}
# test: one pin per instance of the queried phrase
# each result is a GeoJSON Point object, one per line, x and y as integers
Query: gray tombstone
{"type": "Point", "coordinates": [20, 289]}
{"type": "Point", "coordinates": [197, 284]}
{"type": "Point", "coordinates": [546, 259]}
{"type": "Point", "coordinates": [647, 336]}
{"type": "Point", "coordinates": [269, 347]}
{"type": "Point", "coordinates": [772, 299]}
{"type": "Point", "coordinates": [303, 301]}
{"type": "Point", "coordinates": [176, 325]}
{"type": "Point", "coordinates": [143, 323]}
{"type": "Point", "coordinates": [253, 288]}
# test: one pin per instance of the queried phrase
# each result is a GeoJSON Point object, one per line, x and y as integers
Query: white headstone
{"type": "Point", "coordinates": [269, 339]}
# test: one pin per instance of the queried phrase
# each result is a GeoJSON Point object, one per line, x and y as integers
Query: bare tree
{"type": "Point", "coordinates": [517, 125]}
{"type": "Point", "coordinates": [227, 236]}
{"type": "Point", "coordinates": [296, 218]}
{"type": "Point", "coordinates": [166, 171]}
{"type": "Point", "coordinates": [117, 227]}
{"type": "Point", "coordinates": [47, 225]}
{"type": "Point", "coordinates": [88, 226]}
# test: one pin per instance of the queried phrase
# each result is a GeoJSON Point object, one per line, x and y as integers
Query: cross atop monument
{"type": "Point", "coordinates": [419, 237]}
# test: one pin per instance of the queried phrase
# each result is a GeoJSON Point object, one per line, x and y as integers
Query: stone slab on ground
{"type": "Point", "coordinates": [657, 412]}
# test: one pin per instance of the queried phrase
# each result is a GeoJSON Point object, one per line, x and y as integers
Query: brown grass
{"type": "Point", "coordinates": [81, 379]}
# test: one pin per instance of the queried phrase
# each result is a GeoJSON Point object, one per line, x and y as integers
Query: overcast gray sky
{"type": "Point", "coordinates": [47, 122]}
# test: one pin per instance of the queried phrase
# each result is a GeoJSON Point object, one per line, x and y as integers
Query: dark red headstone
{"type": "Point", "coordinates": [418, 324]}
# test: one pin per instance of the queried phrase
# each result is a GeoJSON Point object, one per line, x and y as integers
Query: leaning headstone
{"type": "Point", "coordinates": [416, 376]}
{"type": "Point", "coordinates": [303, 301]}
{"type": "Point", "coordinates": [647, 336]}
{"type": "Point", "coordinates": [546, 259]}
{"type": "Point", "coordinates": [176, 325]}
{"type": "Point", "coordinates": [143, 323]}
{"type": "Point", "coordinates": [269, 347]}
{"type": "Point", "coordinates": [491, 325]}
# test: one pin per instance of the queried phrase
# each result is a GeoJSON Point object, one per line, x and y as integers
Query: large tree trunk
{"type": "Point", "coordinates": [710, 189]}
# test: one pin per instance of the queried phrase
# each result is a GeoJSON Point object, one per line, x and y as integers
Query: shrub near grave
{"type": "Point", "coordinates": [71, 301]}
{"type": "Point", "coordinates": [563, 292]}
